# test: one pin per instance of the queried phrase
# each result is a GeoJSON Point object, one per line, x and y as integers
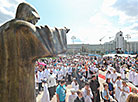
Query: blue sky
{"type": "Point", "coordinates": [89, 20]}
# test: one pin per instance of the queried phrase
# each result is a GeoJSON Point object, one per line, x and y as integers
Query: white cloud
{"type": "Point", "coordinates": [99, 20]}
{"type": "Point", "coordinates": [101, 24]}
{"type": "Point", "coordinates": [126, 10]}
{"type": "Point", "coordinates": [8, 9]}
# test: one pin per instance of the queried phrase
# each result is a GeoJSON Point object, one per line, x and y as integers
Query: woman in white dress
{"type": "Point", "coordinates": [124, 92]}
{"type": "Point", "coordinates": [118, 88]}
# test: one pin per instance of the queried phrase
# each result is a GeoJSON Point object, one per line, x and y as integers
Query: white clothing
{"type": "Point", "coordinates": [55, 71]}
{"type": "Point", "coordinates": [113, 77]}
{"type": "Point", "coordinates": [92, 68]}
{"type": "Point", "coordinates": [110, 69]}
{"type": "Point", "coordinates": [96, 71]}
{"type": "Point", "coordinates": [51, 81]}
{"type": "Point", "coordinates": [123, 95]}
{"type": "Point", "coordinates": [122, 70]}
{"type": "Point", "coordinates": [46, 73]}
{"type": "Point", "coordinates": [117, 90]}
{"type": "Point", "coordinates": [64, 71]}
{"type": "Point", "coordinates": [84, 93]}
{"type": "Point", "coordinates": [72, 98]}
{"type": "Point", "coordinates": [76, 87]}
{"type": "Point", "coordinates": [36, 81]}
{"type": "Point", "coordinates": [40, 77]}
{"type": "Point", "coordinates": [88, 99]}
{"type": "Point", "coordinates": [45, 97]}
{"type": "Point", "coordinates": [60, 75]}
{"type": "Point", "coordinates": [108, 75]}
{"type": "Point", "coordinates": [136, 79]}
{"type": "Point", "coordinates": [131, 76]}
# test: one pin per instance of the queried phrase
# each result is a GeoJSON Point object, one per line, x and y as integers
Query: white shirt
{"type": "Point", "coordinates": [123, 95]}
{"type": "Point", "coordinates": [118, 84]}
{"type": "Point", "coordinates": [36, 80]}
{"type": "Point", "coordinates": [72, 98]}
{"type": "Point", "coordinates": [47, 73]}
{"type": "Point", "coordinates": [84, 93]}
{"type": "Point", "coordinates": [114, 76]}
{"type": "Point", "coordinates": [88, 99]}
{"type": "Point", "coordinates": [110, 69]}
{"type": "Point", "coordinates": [64, 71]}
{"type": "Point", "coordinates": [136, 79]}
{"type": "Point", "coordinates": [60, 75]}
{"type": "Point", "coordinates": [131, 76]}
{"type": "Point", "coordinates": [122, 70]}
{"type": "Point", "coordinates": [44, 74]}
{"type": "Point", "coordinates": [40, 76]}
{"type": "Point", "coordinates": [55, 71]}
{"type": "Point", "coordinates": [51, 80]}
{"type": "Point", "coordinates": [96, 70]}
{"type": "Point", "coordinates": [117, 90]}
{"type": "Point", "coordinates": [108, 75]}
{"type": "Point", "coordinates": [76, 87]}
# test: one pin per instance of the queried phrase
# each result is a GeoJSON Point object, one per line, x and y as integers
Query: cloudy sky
{"type": "Point", "coordinates": [89, 20]}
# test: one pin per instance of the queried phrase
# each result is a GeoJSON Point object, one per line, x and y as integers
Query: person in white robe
{"type": "Point", "coordinates": [114, 77]}
{"type": "Point", "coordinates": [45, 97]}
{"type": "Point", "coordinates": [72, 96]}
{"type": "Point", "coordinates": [118, 88]}
{"type": "Point", "coordinates": [133, 81]}
{"type": "Point", "coordinates": [124, 92]}
{"type": "Point", "coordinates": [136, 79]}
{"type": "Point", "coordinates": [130, 77]}
{"type": "Point", "coordinates": [122, 71]}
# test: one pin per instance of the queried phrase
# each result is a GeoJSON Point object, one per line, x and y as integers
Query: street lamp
{"type": "Point", "coordinates": [73, 38]}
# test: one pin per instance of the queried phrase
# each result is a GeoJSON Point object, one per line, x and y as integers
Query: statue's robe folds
{"type": "Point", "coordinates": [20, 44]}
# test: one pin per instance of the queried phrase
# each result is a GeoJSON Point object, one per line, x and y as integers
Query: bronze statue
{"type": "Point", "coordinates": [21, 43]}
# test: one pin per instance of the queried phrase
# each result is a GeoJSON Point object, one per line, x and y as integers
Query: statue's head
{"type": "Point", "coordinates": [27, 12]}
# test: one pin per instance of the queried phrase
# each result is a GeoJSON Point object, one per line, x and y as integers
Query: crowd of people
{"type": "Point", "coordinates": [81, 72]}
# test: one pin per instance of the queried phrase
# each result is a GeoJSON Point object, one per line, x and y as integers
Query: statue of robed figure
{"type": "Point", "coordinates": [21, 43]}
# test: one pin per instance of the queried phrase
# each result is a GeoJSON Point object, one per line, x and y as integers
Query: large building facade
{"type": "Point", "coordinates": [118, 45]}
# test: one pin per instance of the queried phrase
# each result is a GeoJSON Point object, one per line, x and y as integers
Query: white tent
{"type": "Point", "coordinates": [121, 55]}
